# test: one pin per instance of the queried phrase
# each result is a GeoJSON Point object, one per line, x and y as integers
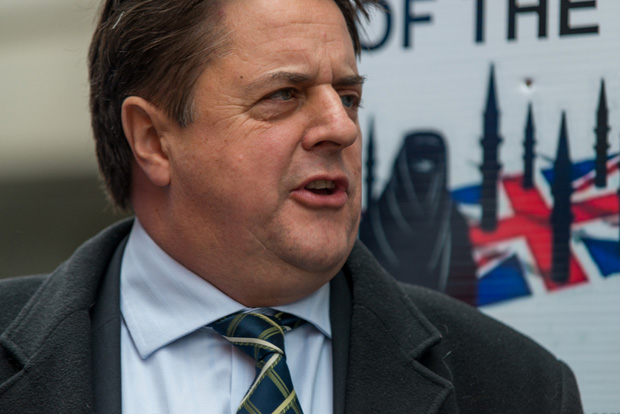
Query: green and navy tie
{"type": "Point", "coordinates": [262, 337]}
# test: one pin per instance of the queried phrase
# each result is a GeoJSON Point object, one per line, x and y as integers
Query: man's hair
{"type": "Point", "coordinates": [157, 49]}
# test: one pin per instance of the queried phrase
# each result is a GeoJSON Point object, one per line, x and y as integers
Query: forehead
{"type": "Point", "coordinates": [277, 13]}
{"type": "Point", "coordinates": [315, 26]}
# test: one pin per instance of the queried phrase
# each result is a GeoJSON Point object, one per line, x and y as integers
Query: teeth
{"type": "Point", "coordinates": [321, 185]}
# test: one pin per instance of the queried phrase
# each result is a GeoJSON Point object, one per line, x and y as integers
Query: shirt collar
{"type": "Point", "coordinates": [162, 301]}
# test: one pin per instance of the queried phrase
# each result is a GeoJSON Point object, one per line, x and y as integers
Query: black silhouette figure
{"type": "Point", "coordinates": [370, 164]}
{"type": "Point", "coordinates": [490, 164]}
{"type": "Point", "coordinates": [561, 214]}
{"type": "Point", "coordinates": [602, 144]}
{"type": "Point", "coordinates": [414, 228]}
{"type": "Point", "coordinates": [529, 154]}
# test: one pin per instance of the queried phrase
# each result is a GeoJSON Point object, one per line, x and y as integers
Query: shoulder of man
{"type": "Point", "coordinates": [71, 286]}
{"type": "Point", "coordinates": [460, 322]}
{"type": "Point", "coordinates": [492, 361]}
{"type": "Point", "coordinates": [14, 294]}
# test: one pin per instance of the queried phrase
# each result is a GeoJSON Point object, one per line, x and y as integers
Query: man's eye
{"type": "Point", "coordinates": [283, 94]}
{"type": "Point", "coordinates": [350, 101]}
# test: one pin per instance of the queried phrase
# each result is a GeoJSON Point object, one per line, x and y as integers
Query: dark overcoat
{"type": "Point", "coordinates": [396, 348]}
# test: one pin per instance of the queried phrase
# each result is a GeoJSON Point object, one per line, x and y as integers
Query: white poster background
{"type": "Point", "coordinates": [440, 82]}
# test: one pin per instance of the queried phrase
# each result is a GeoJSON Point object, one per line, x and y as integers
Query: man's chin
{"type": "Point", "coordinates": [319, 250]}
{"type": "Point", "coordinates": [324, 260]}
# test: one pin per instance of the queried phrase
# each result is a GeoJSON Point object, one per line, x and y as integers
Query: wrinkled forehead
{"type": "Point", "coordinates": [274, 14]}
{"type": "Point", "coordinates": [293, 24]}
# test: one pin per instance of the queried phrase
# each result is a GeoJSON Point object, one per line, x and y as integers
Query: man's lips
{"type": "Point", "coordinates": [322, 191]}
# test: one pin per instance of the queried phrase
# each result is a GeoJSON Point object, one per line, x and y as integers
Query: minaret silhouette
{"type": "Point", "coordinates": [561, 214]}
{"type": "Point", "coordinates": [528, 150]}
{"type": "Point", "coordinates": [602, 144]}
{"type": "Point", "coordinates": [490, 165]}
{"type": "Point", "coordinates": [370, 165]}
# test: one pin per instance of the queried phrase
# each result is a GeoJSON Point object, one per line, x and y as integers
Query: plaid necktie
{"type": "Point", "coordinates": [262, 337]}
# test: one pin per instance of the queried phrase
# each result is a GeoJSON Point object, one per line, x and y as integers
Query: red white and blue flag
{"type": "Point", "coordinates": [515, 259]}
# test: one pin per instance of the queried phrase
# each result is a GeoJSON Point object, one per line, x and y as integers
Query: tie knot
{"type": "Point", "coordinates": [256, 334]}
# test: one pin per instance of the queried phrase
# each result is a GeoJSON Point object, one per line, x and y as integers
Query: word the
{"type": "Point", "coordinates": [514, 10]}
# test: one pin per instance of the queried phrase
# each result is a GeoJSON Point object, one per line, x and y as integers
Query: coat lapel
{"type": "Point", "coordinates": [395, 363]}
{"type": "Point", "coordinates": [340, 306]}
{"type": "Point", "coordinates": [49, 343]}
{"type": "Point", "coordinates": [106, 339]}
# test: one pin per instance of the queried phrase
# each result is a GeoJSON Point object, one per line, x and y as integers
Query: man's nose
{"type": "Point", "coordinates": [331, 124]}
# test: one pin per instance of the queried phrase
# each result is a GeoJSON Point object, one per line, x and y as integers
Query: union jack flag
{"type": "Point", "coordinates": [515, 259]}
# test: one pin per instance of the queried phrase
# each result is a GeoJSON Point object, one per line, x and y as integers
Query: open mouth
{"type": "Point", "coordinates": [321, 187]}
{"type": "Point", "coordinates": [323, 192]}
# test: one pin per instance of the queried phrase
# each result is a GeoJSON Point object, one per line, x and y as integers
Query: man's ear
{"type": "Point", "coordinates": [145, 125]}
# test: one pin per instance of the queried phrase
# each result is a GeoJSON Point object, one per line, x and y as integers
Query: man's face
{"type": "Point", "coordinates": [268, 174]}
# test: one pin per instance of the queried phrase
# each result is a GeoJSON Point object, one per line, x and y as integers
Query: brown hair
{"type": "Point", "coordinates": [156, 49]}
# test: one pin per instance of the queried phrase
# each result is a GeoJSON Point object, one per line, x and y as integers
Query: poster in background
{"type": "Point", "coordinates": [492, 148]}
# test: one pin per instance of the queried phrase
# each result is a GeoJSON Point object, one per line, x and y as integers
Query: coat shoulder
{"type": "Point", "coordinates": [14, 294]}
{"type": "Point", "coordinates": [460, 322]}
{"type": "Point", "coordinates": [491, 361]}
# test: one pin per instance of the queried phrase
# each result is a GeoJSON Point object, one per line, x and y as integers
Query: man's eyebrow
{"type": "Point", "coordinates": [296, 78]}
{"type": "Point", "coordinates": [277, 78]}
{"type": "Point", "coordinates": [353, 80]}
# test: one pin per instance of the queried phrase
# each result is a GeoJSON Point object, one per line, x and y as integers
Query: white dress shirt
{"type": "Point", "coordinates": [172, 363]}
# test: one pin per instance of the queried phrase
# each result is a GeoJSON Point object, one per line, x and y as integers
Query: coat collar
{"type": "Point", "coordinates": [395, 363]}
{"type": "Point", "coordinates": [49, 342]}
